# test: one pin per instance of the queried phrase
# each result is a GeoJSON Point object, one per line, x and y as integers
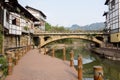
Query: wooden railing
{"type": "Point", "coordinates": [14, 55]}
{"type": "Point", "coordinates": [98, 70]}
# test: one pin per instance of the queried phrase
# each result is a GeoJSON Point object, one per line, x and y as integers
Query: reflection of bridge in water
{"type": "Point", "coordinates": [48, 37]}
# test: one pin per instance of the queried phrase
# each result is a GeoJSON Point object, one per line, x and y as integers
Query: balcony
{"type": "Point", "coordinates": [25, 29]}
{"type": "Point", "coordinates": [14, 29]}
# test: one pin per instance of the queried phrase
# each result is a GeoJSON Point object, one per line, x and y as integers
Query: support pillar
{"type": "Point", "coordinates": [80, 67]}
{"type": "Point", "coordinates": [98, 73]}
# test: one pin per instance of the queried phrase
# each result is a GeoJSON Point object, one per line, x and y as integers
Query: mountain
{"type": "Point", "coordinates": [93, 26]}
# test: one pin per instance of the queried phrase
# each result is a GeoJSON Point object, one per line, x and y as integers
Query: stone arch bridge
{"type": "Point", "coordinates": [48, 37]}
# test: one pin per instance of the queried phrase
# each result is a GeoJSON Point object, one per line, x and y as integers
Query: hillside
{"type": "Point", "coordinates": [94, 26]}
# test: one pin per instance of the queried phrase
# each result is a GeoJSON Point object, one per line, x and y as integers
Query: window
{"type": "Point", "coordinates": [16, 21]}
{"type": "Point", "coordinates": [7, 16]}
{"type": "Point", "coordinates": [112, 4]}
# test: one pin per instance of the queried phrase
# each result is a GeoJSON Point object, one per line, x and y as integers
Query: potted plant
{"type": "Point", "coordinates": [26, 28]}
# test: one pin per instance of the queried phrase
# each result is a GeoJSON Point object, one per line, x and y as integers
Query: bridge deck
{"type": "Point", "coordinates": [70, 33]}
{"type": "Point", "coordinates": [36, 66]}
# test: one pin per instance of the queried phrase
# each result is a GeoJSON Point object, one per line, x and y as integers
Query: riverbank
{"type": "Point", "coordinates": [112, 54]}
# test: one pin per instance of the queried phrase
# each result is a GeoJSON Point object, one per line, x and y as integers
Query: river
{"type": "Point", "coordinates": [111, 68]}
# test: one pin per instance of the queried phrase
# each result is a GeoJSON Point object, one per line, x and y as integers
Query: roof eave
{"type": "Point", "coordinates": [105, 13]}
{"type": "Point", "coordinates": [37, 11]}
{"type": "Point", "coordinates": [106, 2]}
{"type": "Point", "coordinates": [26, 13]}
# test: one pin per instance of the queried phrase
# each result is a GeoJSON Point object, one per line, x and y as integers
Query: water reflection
{"type": "Point", "coordinates": [85, 61]}
{"type": "Point", "coordinates": [111, 68]}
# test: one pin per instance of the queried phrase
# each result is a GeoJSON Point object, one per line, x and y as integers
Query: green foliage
{"type": "Point", "coordinates": [4, 67]}
{"type": "Point", "coordinates": [26, 28]}
{"type": "Point", "coordinates": [47, 26]}
{"type": "Point", "coordinates": [56, 28]}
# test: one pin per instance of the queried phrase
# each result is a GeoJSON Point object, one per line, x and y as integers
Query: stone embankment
{"type": "Point", "coordinates": [109, 53]}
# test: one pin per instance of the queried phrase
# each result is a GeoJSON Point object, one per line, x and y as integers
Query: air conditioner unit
{"type": "Point", "coordinates": [6, 0]}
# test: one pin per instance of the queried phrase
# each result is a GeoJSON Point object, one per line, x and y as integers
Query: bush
{"type": "Point", "coordinates": [4, 67]}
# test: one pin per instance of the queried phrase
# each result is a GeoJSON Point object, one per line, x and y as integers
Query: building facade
{"type": "Point", "coordinates": [113, 20]}
{"type": "Point", "coordinates": [39, 15]}
{"type": "Point", "coordinates": [17, 24]}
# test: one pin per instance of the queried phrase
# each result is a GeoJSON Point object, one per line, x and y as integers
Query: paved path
{"type": "Point", "coordinates": [36, 66]}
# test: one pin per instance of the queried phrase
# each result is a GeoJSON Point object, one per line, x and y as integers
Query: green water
{"type": "Point", "coordinates": [111, 68]}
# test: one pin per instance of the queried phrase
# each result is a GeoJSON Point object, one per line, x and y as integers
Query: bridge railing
{"type": "Point", "coordinates": [69, 32]}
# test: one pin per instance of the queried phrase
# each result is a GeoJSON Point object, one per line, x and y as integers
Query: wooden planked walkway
{"type": "Point", "coordinates": [36, 66]}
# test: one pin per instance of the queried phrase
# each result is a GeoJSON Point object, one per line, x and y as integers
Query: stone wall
{"type": "Point", "coordinates": [12, 41]}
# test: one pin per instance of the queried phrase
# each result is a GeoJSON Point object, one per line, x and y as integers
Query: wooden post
{"type": "Point", "coordinates": [44, 50]}
{"type": "Point", "coordinates": [19, 54]}
{"type": "Point", "coordinates": [53, 52]}
{"type": "Point", "coordinates": [26, 49]}
{"type": "Point", "coordinates": [16, 57]}
{"type": "Point", "coordinates": [98, 73]}
{"type": "Point", "coordinates": [79, 67]}
{"type": "Point", "coordinates": [64, 54]}
{"type": "Point", "coordinates": [30, 47]}
{"type": "Point", "coordinates": [39, 48]}
{"type": "Point", "coordinates": [71, 58]}
{"type": "Point", "coordinates": [22, 52]}
{"type": "Point", "coordinates": [10, 64]}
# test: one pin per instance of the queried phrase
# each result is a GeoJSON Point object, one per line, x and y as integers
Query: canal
{"type": "Point", "coordinates": [90, 59]}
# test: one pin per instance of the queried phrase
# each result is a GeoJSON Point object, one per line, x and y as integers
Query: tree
{"type": "Point", "coordinates": [47, 27]}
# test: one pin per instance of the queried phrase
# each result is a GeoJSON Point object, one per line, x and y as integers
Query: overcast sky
{"type": "Point", "coordinates": [68, 12]}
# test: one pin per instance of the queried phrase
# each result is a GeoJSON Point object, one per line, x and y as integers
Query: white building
{"type": "Point", "coordinates": [39, 15]}
{"type": "Point", "coordinates": [113, 20]}
{"type": "Point", "coordinates": [17, 24]}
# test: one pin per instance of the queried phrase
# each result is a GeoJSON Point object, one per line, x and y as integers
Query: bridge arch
{"type": "Point", "coordinates": [55, 38]}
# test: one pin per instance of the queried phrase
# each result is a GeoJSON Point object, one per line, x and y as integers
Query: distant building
{"type": "Point", "coordinates": [113, 20]}
{"type": "Point", "coordinates": [39, 15]}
